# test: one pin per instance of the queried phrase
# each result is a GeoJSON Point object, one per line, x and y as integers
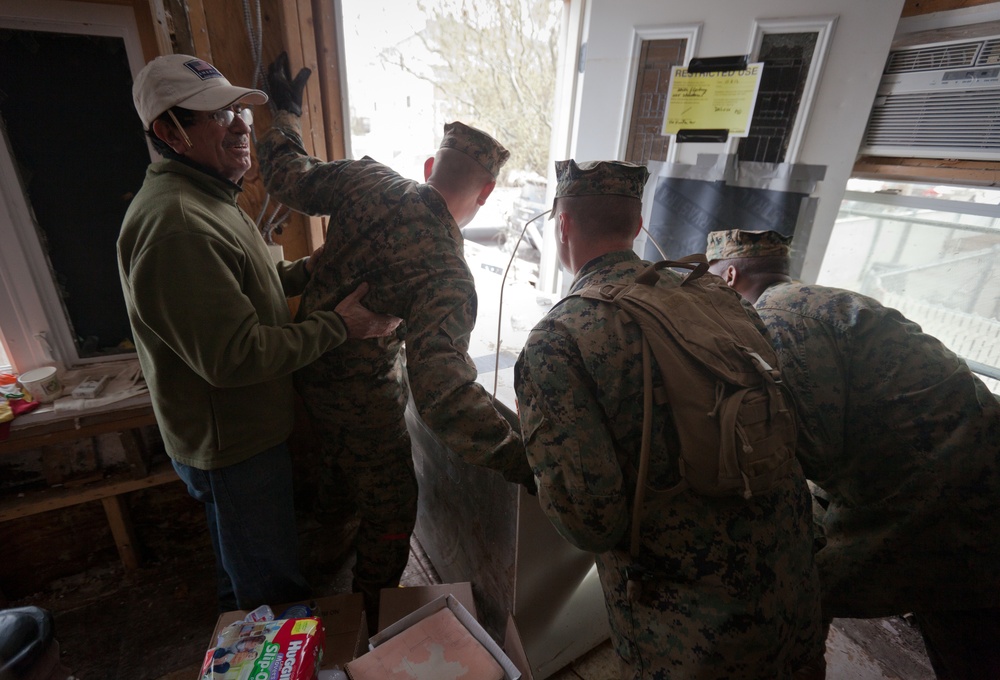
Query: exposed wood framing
{"type": "Point", "coordinates": [328, 40]}
{"type": "Point", "coordinates": [145, 20]}
{"type": "Point", "coordinates": [980, 173]}
{"type": "Point", "coordinates": [198, 28]}
{"type": "Point", "coordinates": [54, 499]}
{"type": "Point", "coordinates": [299, 40]}
{"type": "Point", "coordinates": [917, 7]}
{"type": "Point", "coordinates": [122, 530]}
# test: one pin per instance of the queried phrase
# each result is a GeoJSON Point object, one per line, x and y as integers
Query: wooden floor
{"type": "Point", "coordinates": [154, 623]}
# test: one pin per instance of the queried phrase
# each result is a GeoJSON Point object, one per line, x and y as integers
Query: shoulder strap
{"type": "Point", "coordinates": [696, 263]}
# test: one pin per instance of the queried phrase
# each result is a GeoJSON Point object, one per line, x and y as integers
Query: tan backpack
{"type": "Point", "coordinates": [734, 421]}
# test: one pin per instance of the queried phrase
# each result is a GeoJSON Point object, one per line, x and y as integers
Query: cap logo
{"type": "Point", "coordinates": [202, 69]}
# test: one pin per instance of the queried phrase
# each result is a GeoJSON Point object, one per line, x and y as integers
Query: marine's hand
{"type": "Point", "coordinates": [311, 262]}
{"type": "Point", "coordinates": [360, 321]}
{"type": "Point", "coordinates": [286, 93]}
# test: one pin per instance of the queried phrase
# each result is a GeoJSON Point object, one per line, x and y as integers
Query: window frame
{"type": "Point", "coordinates": [943, 205]}
{"type": "Point", "coordinates": [34, 326]}
{"type": "Point", "coordinates": [823, 27]}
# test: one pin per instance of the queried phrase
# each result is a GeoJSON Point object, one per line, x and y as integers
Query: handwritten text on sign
{"type": "Point", "coordinates": [720, 100]}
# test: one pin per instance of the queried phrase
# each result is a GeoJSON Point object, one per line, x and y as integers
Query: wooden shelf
{"type": "Point", "coordinates": [70, 427]}
{"type": "Point", "coordinates": [34, 502]}
{"type": "Point", "coordinates": [125, 421]}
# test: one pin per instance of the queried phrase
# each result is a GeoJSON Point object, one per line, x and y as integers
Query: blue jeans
{"type": "Point", "coordinates": [251, 519]}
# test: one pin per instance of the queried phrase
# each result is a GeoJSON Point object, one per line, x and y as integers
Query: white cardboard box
{"type": "Point", "coordinates": [462, 614]}
{"type": "Point", "coordinates": [395, 603]}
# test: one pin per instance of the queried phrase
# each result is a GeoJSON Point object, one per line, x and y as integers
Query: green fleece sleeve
{"type": "Point", "coordinates": [293, 275]}
{"type": "Point", "coordinates": [197, 300]}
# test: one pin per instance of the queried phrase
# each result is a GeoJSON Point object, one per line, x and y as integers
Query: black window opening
{"type": "Point", "coordinates": [66, 107]}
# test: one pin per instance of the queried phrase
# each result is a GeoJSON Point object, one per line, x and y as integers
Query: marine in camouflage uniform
{"type": "Point", "coordinates": [730, 589]}
{"type": "Point", "coordinates": [903, 441]}
{"type": "Point", "coordinates": [401, 237]}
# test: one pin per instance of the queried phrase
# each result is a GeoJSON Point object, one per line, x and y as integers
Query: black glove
{"type": "Point", "coordinates": [286, 94]}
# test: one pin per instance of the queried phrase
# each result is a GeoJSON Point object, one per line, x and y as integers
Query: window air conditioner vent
{"type": "Point", "coordinates": [990, 56]}
{"type": "Point", "coordinates": [933, 58]}
{"type": "Point", "coordinates": [959, 124]}
{"type": "Point", "coordinates": [939, 100]}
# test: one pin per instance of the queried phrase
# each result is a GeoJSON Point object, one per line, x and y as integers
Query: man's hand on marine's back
{"type": "Point", "coordinates": [361, 322]}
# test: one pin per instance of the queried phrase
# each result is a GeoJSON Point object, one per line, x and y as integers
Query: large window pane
{"type": "Point", "coordinates": [930, 252]}
{"type": "Point", "coordinates": [412, 67]}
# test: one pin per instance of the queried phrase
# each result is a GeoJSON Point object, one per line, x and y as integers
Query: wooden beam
{"type": "Point", "coordinates": [299, 40]}
{"type": "Point", "coordinates": [36, 502]}
{"type": "Point", "coordinates": [917, 7]}
{"type": "Point", "coordinates": [46, 433]}
{"type": "Point", "coordinates": [198, 24]}
{"type": "Point", "coordinates": [160, 23]}
{"type": "Point", "coordinates": [121, 530]}
{"type": "Point", "coordinates": [329, 70]}
{"type": "Point", "coordinates": [940, 171]}
{"type": "Point", "coordinates": [136, 452]}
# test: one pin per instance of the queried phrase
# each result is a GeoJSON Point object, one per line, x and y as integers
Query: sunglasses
{"type": "Point", "coordinates": [225, 117]}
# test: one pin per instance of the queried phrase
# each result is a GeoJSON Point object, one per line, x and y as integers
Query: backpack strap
{"type": "Point", "coordinates": [642, 474]}
{"type": "Point", "coordinates": [647, 431]}
{"type": "Point", "coordinates": [696, 263]}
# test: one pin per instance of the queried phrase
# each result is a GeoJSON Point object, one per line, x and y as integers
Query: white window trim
{"type": "Point", "coordinates": [823, 26]}
{"type": "Point", "coordinates": [32, 317]}
{"type": "Point", "coordinates": [689, 32]}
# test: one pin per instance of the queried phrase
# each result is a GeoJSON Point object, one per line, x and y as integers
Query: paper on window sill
{"type": "Point", "coordinates": [126, 381]}
{"type": "Point", "coordinates": [64, 404]}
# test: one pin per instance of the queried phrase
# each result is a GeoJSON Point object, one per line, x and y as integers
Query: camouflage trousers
{"type": "Point", "coordinates": [361, 425]}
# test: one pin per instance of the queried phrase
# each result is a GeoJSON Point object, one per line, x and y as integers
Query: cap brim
{"type": "Point", "coordinates": [220, 97]}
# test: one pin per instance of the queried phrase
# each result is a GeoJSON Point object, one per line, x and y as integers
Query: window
{"type": "Point", "coordinates": [933, 253]}
{"type": "Point", "coordinates": [787, 60]}
{"type": "Point", "coordinates": [649, 105]}
{"type": "Point", "coordinates": [793, 52]}
{"type": "Point", "coordinates": [410, 69]}
{"type": "Point", "coordinates": [71, 153]}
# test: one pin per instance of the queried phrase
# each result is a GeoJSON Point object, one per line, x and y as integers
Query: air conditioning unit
{"type": "Point", "coordinates": [939, 100]}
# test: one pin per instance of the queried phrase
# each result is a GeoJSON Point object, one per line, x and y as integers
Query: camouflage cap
{"type": "Point", "coordinates": [725, 245]}
{"type": "Point", "coordinates": [476, 144]}
{"type": "Point", "coordinates": [599, 178]}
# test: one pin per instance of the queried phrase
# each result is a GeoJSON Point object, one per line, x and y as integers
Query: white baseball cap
{"type": "Point", "coordinates": [188, 82]}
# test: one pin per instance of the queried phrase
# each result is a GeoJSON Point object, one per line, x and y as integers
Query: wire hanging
{"type": "Point", "coordinates": [503, 283]}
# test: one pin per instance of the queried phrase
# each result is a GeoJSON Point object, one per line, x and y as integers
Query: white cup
{"type": "Point", "coordinates": [42, 383]}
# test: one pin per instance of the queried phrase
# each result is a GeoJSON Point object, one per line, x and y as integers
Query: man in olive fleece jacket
{"type": "Point", "coordinates": [212, 326]}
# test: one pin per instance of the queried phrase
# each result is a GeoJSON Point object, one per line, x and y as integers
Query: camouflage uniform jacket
{"type": "Point", "coordinates": [904, 440]}
{"type": "Point", "coordinates": [399, 236]}
{"type": "Point", "coordinates": [732, 589]}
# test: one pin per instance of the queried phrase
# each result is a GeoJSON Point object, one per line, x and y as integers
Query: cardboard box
{"type": "Point", "coordinates": [514, 648]}
{"type": "Point", "coordinates": [343, 620]}
{"type": "Point", "coordinates": [426, 638]}
{"type": "Point", "coordinates": [395, 603]}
